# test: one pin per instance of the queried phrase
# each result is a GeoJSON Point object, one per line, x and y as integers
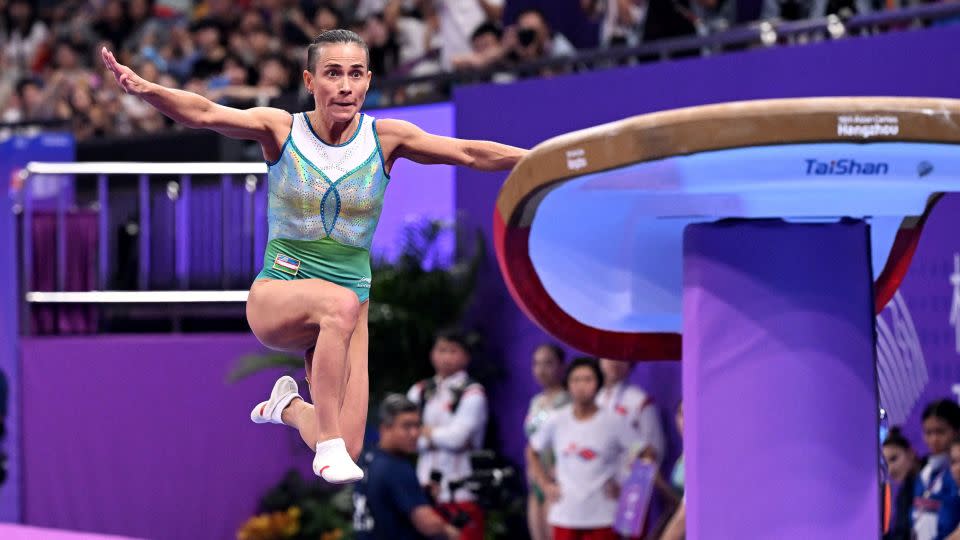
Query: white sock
{"type": "Point", "coordinates": [333, 463]}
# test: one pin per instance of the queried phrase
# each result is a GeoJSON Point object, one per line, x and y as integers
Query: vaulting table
{"type": "Point", "coordinates": [758, 238]}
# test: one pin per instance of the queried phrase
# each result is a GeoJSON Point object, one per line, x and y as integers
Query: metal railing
{"type": "Point", "coordinates": [109, 174]}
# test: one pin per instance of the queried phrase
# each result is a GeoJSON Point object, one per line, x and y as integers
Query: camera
{"type": "Point", "coordinates": [494, 484]}
{"type": "Point", "coordinates": [526, 36]}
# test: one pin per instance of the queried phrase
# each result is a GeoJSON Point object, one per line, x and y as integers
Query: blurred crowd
{"type": "Point", "coordinates": [250, 52]}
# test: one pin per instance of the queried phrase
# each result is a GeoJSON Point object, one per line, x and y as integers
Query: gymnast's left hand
{"type": "Point", "coordinates": [131, 83]}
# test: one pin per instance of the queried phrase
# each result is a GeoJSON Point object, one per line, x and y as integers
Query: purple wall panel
{"type": "Point", "coordinates": [142, 436]}
{"type": "Point", "coordinates": [779, 381]}
{"type": "Point", "coordinates": [416, 191]}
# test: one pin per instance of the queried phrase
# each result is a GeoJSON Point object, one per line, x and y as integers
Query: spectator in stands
{"type": "Point", "coordinates": [678, 474]}
{"type": "Point", "coordinates": [794, 10]}
{"type": "Point", "coordinates": [677, 526]}
{"type": "Point", "coordinates": [145, 30]}
{"type": "Point", "coordinates": [903, 467]}
{"type": "Point", "coordinates": [486, 48]}
{"type": "Point", "coordinates": [305, 27]}
{"type": "Point", "coordinates": [384, 50]}
{"type": "Point", "coordinates": [457, 19]}
{"type": "Point", "coordinates": [621, 21]}
{"type": "Point", "coordinates": [26, 35]}
{"type": "Point", "coordinates": [589, 443]}
{"type": "Point", "coordinates": [211, 53]}
{"type": "Point", "coordinates": [548, 371]}
{"type": "Point", "coordinates": [260, 44]}
{"type": "Point", "coordinates": [113, 25]}
{"type": "Point", "coordinates": [936, 506]}
{"type": "Point", "coordinates": [713, 16]}
{"type": "Point", "coordinates": [955, 473]}
{"type": "Point", "coordinates": [232, 87]}
{"type": "Point", "coordinates": [667, 19]}
{"type": "Point", "coordinates": [405, 20]}
{"type": "Point", "coordinates": [25, 100]}
{"type": "Point", "coordinates": [532, 39]}
{"type": "Point", "coordinates": [454, 417]}
{"type": "Point", "coordinates": [389, 503]}
{"type": "Point", "coordinates": [671, 490]}
{"type": "Point", "coordinates": [634, 407]}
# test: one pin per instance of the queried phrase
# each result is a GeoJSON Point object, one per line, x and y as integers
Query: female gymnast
{"type": "Point", "coordinates": [328, 170]}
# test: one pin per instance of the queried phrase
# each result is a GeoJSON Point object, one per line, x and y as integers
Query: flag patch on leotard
{"type": "Point", "coordinates": [286, 264]}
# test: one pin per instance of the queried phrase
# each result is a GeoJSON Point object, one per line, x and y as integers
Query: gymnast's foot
{"type": "Point", "coordinates": [284, 392]}
{"type": "Point", "coordinates": [333, 463]}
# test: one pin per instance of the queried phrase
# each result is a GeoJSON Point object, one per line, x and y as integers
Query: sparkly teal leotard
{"type": "Point", "coordinates": [325, 202]}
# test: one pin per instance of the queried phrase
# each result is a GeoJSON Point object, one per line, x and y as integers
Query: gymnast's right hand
{"type": "Point", "coordinates": [131, 83]}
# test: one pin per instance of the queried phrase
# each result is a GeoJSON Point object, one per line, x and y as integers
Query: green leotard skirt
{"type": "Point", "coordinates": [324, 259]}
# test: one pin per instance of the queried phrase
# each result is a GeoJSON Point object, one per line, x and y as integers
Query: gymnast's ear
{"type": "Point", "coordinates": [308, 80]}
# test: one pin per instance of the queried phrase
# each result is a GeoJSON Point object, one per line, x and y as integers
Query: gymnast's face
{"type": "Point", "coordinates": [339, 81]}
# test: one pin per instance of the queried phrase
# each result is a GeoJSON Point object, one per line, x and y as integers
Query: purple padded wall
{"type": "Point", "coordinates": [781, 434]}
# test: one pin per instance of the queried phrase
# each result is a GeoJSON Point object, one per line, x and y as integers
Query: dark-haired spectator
{"type": "Point", "coordinates": [589, 444]}
{"type": "Point", "coordinates": [145, 29]}
{"type": "Point", "coordinates": [26, 36]}
{"type": "Point", "coordinates": [936, 506]}
{"type": "Point", "coordinates": [454, 420]}
{"type": "Point", "coordinates": [384, 50]}
{"type": "Point", "coordinates": [713, 16]}
{"type": "Point", "coordinates": [902, 466]}
{"type": "Point", "coordinates": [26, 105]}
{"type": "Point", "coordinates": [304, 26]}
{"type": "Point", "coordinates": [389, 503]}
{"type": "Point", "coordinates": [486, 48]}
{"type": "Point", "coordinates": [620, 20]}
{"type": "Point", "coordinates": [548, 370]}
{"type": "Point", "coordinates": [113, 25]}
{"type": "Point", "coordinates": [405, 19]}
{"type": "Point", "coordinates": [667, 19]}
{"type": "Point", "coordinates": [456, 20]}
{"type": "Point", "coordinates": [532, 39]}
{"type": "Point", "coordinates": [211, 53]}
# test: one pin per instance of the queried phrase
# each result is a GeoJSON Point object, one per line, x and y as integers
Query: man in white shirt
{"type": "Point", "coordinates": [454, 421]}
{"type": "Point", "coordinates": [589, 444]}
{"type": "Point", "coordinates": [635, 408]}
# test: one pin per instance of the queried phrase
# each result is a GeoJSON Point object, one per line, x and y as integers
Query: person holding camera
{"type": "Point", "coordinates": [588, 443]}
{"type": "Point", "coordinates": [454, 412]}
{"type": "Point", "coordinates": [389, 502]}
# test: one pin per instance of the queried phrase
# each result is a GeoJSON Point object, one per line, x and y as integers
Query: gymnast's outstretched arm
{"type": "Point", "coordinates": [402, 139]}
{"type": "Point", "coordinates": [261, 124]}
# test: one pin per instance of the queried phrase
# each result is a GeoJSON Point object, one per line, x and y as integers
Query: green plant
{"type": "Point", "coordinates": [297, 509]}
